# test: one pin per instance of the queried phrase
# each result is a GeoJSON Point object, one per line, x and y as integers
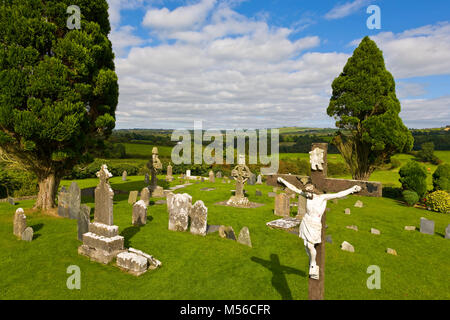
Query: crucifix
{"type": "Point", "coordinates": [318, 189]}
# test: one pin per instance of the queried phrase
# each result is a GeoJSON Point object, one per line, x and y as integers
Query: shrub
{"type": "Point", "coordinates": [438, 201]}
{"type": "Point", "coordinates": [413, 176]}
{"type": "Point", "coordinates": [392, 193]}
{"type": "Point", "coordinates": [410, 197]}
{"type": "Point", "coordinates": [163, 183]}
{"type": "Point", "coordinates": [395, 163]}
{"type": "Point", "coordinates": [441, 177]}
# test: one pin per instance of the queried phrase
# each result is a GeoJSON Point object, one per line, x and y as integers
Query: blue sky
{"type": "Point", "coordinates": [262, 64]}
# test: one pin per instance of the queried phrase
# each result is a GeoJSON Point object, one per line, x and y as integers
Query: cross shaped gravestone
{"type": "Point", "coordinates": [240, 173]}
{"type": "Point", "coordinates": [318, 159]}
{"type": "Point", "coordinates": [155, 165]}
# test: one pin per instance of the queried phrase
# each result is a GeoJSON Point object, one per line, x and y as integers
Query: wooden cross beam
{"type": "Point", "coordinates": [319, 179]}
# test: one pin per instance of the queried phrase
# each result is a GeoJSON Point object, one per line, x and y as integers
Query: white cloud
{"type": "Point", "coordinates": [426, 113]}
{"type": "Point", "coordinates": [417, 52]}
{"type": "Point", "coordinates": [343, 10]}
{"type": "Point", "coordinates": [179, 18]}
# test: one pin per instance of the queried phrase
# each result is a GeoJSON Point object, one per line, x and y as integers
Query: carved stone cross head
{"type": "Point", "coordinates": [317, 158]}
{"type": "Point", "coordinates": [104, 174]}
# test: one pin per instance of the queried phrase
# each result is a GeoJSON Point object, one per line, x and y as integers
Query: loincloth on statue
{"type": "Point", "coordinates": [311, 230]}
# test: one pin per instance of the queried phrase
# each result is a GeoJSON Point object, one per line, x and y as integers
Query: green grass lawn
{"type": "Point", "coordinates": [144, 151]}
{"type": "Point", "coordinates": [210, 267]}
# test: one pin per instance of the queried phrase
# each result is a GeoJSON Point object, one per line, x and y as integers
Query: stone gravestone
{"type": "Point", "coordinates": [447, 232]}
{"type": "Point", "coordinates": [155, 166]}
{"type": "Point", "coordinates": [20, 222]}
{"type": "Point", "coordinates": [74, 201]}
{"type": "Point", "coordinates": [27, 234]}
{"type": "Point", "coordinates": [301, 210]}
{"type": "Point", "coordinates": [102, 243]}
{"type": "Point", "coordinates": [211, 177]}
{"type": "Point", "coordinates": [83, 221]}
{"type": "Point", "coordinates": [179, 207]}
{"type": "Point", "coordinates": [227, 233]}
{"type": "Point", "coordinates": [145, 196]}
{"type": "Point", "coordinates": [139, 213]}
{"type": "Point", "coordinates": [244, 237]}
{"type": "Point", "coordinates": [11, 201]}
{"type": "Point", "coordinates": [169, 176]}
{"type": "Point", "coordinates": [63, 203]}
{"type": "Point", "coordinates": [188, 174]}
{"type": "Point", "coordinates": [426, 226]}
{"type": "Point", "coordinates": [282, 205]}
{"type": "Point", "coordinates": [132, 198]}
{"type": "Point", "coordinates": [252, 180]}
{"type": "Point", "coordinates": [258, 193]}
{"type": "Point", "coordinates": [124, 176]}
{"type": "Point", "coordinates": [219, 174]}
{"type": "Point", "coordinates": [199, 218]}
{"type": "Point", "coordinates": [259, 179]}
{"type": "Point", "coordinates": [240, 173]}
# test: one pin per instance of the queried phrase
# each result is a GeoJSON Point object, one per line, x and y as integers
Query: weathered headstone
{"type": "Point", "coordinates": [199, 218]}
{"type": "Point", "coordinates": [426, 226]}
{"type": "Point", "coordinates": [359, 204]}
{"type": "Point", "coordinates": [282, 206]}
{"type": "Point", "coordinates": [169, 176]}
{"type": "Point", "coordinates": [252, 179]}
{"type": "Point", "coordinates": [301, 210]}
{"type": "Point", "coordinates": [124, 176]}
{"type": "Point", "coordinates": [11, 201]}
{"type": "Point", "coordinates": [155, 167]}
{"type": "Point", "coordinates": [104, 195]}
{"type": "Point", "coordinates": [179, 207]}
{"type": "Point", "coordinates": [158, 192]}
{"type": "Point", "coordinates": [447, 232]}
{"type": "Point", "coordinates": [74, 201]}
{"type": "Point", "coordinates": [244, 237]}
{"type": "Point", "coordinates": [347, 247]}
{"type": "Point", "coordinates": [375, 231]}
{"type": "Point", "coordinates": [227, 233]}
{"type": "Point", "coordinates": [347, 211]}
{"type": "Point", "coordinates": [20, 222]}
{"type": "Point", "coordinates": [391, 251]}
{"type": "Point", "coordinates": [139, 213]}
{"type": "Point", "coordinates": [27, 234]}
{"type": "Point", "coordinates": [259, 179]}
{"type": "Point", "coordinates": [83, 221]}
{"type": "Point", "coordinates": [258, 193]}
{"type": "Point", "coordinates": [63, 203]}
{"type": "Point", "coordinates": [288, 224]}
{"type": "Point", "coordinates": [212, 177]}
{"type": "Point", "coordinates": [352, 228]}
{"type": "Point", "coordinates": [102, 242]}
{"type": "Point", "coordinates": [219, 174]}
{"type": "Point", "coordinates": [132, 263]}
{"type": "Point", "coordinates": [132, 198]}
{"type": "Point", "coordinates": [145, 196]}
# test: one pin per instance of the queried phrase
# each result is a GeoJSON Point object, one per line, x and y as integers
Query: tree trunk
{"type": "Point", "coordinates": [48, 188]}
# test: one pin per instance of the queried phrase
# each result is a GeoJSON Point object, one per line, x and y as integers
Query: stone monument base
{"type": "Point", "coordinates": [102, 243]}
{"type": "Point", "coordinates": [158, 192]}
{"type": "Point", "coordinates": [238, 201]}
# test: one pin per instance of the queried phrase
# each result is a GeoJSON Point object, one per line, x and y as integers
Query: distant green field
{"type": "Point", "coordinates": [144, 151]}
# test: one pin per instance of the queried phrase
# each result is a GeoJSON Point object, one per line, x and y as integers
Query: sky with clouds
{"type": "Point", "coordinates": [270, 63]}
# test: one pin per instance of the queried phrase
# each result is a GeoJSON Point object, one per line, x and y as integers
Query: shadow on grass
{"type": "Point", "coordinates": [36, 228]}
{"type": "Point", "coordinates": [130, 232]}
{"type": "Point", "coordinates": [279, 281]}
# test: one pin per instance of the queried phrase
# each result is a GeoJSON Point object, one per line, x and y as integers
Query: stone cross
{"type": "Point", "coordinates": [318, 160]}
{"type": "Point", "coordinates": [155, 166]}
{"type": "Point", "coordinates": [241, 173]}
{"type": "Point", "coordinates": [169, 176]}
{"type": "Point", "coordinates": [104, 198]}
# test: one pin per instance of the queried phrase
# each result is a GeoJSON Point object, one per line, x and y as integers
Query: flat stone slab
{"type": "Point", "coordinates": [132, 263]}
{"type": "Point", "coordinates": [287, 224]}
{"type": "Point", "coordinates": [250, 205]}
{"type": "Point", "coordinates": [212, 228]}
{"type": "Point", "coordinates": [207, 189]}
{"type": "Point", "coordinates": [161, 202]}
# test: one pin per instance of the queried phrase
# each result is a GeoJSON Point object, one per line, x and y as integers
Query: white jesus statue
{"type": "Point", "coordinates": [311, 225]}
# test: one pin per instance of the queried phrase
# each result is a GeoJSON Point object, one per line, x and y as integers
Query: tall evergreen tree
{"type": "Point", "coordinates": [366, 110]}
{"type": "Point", "coordinates": [58, 87]}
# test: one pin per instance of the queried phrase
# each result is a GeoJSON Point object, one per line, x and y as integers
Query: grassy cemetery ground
{"type": "Point", "coordinates": [210, 267]}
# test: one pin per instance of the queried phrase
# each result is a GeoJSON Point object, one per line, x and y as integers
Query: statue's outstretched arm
{"type": "Point", "coordinates": [342, 193]}
{"type": "Point", "coordinates": [290, 186]}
